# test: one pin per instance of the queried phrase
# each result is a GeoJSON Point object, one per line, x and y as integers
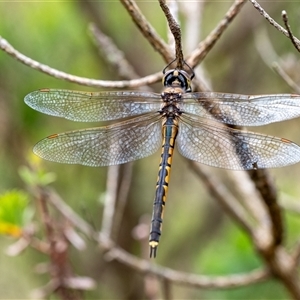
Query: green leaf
{"type": "Point", "coordinates": [39, 177]}
{"type": "Point", "coordinates": [14, 212]}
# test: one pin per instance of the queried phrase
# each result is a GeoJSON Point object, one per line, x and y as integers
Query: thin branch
{"type": "Point", "coordinates": [114, 56]}
{"type": "Point", "coordinates": [112, 184]}
{"type": "Point", "coordinates": [145, 267]}
{"type": "Point", "coordinates": [69, 214]}
{"type": "Point", "coordinates": [166, 289]}
{"type": "Point", "coordinates": [188, 279]}
{"type": "Point", "coordinates": [223, 196]}
{"type": "Point", "coordinates": [274, 23]}
{"type": "Point", "coordinates": [148, 31]}
{"type": "Point", "coordinates": [176, 31]}
{"type": "Point", "coordinates": [60, 270]}
{"type": "Point", "coordinates": [274, 229]}
{"type": "Point", "coordinates": [280, 71]}
{"type": "Point", "coordinates": [206, 45]}
{"type": "Point", "coordinates": [264, 232]}
{"type": "Point", "coordinates": [6, 47]}
{"type": "Point", "coordinates": [116, 190]}
{"type": "Point", "coordinates": [288, 28]}
{"type": "Point", "coordinates": [124, 187]}
{"type": "Point", "coordinates": [270, 58]}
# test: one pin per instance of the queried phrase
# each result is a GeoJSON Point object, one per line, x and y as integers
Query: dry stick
{"type": "Point", "coordinates": [145, 267]}
{"type": "Point", "coordinates": [112, 54]}
{"type": "Point", "coordinates": [280, 71]}
{"type": "Point", "coordinates": [219, 191]}
{"type": "Point", "coordinates": [176, 31]}
{"type": "Point", "coordinates": [173, 7]}
{"type": "Point", "coordinates": [123, 193]}
{"type": "Point", "coordinates": [166, 289]}
{"type": "Point", "coordinates": [6, 47]}
{"type": "Point", "coordinates": [59, 270]}
{"type": "Point", "coordinates": [112, 183]}
{"type": "Point", "coordinates": [188, 279]}
{"type": "Point", "coordinates": [281, 263]}
{"type": "Point", "coordinates": [115, 189]}
{"type": "Point", "coordinates": [206, 45]}
{"type": "Point", "coordinates": [274, 23]}
{"type": "Point", "coordinates": [147, 30]}
{"type": "Point", "coordinates": [288, 28]}
{"type": "Point", "coordinates": [269, 56]}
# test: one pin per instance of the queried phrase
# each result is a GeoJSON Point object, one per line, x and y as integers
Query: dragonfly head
{"type": "Point", "coordinates": [177, 78]}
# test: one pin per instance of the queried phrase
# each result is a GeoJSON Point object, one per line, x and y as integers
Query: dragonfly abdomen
{"type": "Point", "coordinates": [170, 130]}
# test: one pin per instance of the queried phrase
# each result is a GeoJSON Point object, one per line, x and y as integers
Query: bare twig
{"type": "Point", "coordinates": [207, 44]}
{"type": "Point", "coordinates": [118, 185]}
{"type": "Point", "coordinates": [265, 185]}
{"type": "Point", "coordinates": [147, 30]}
{"type": "Point", "coordinates": [188, 279]}
{"type": "Point", "coordinates": [112, 184]}
{"type": "Point", "coordinates": [223, 196]}
{"type": "Point", "coordinates": [280, 71]}
{"type": "Point", "coordinates": [176, 31]}
{"type": "Point", "coordinates": [60, 270]}
{"type": "Point", "coordinates": [288, 28]}
{"type": "Point", "coordinates": [6, 47]}
{"type": "Point", "coordinates": [114, 56]}
{"type": "Point", "coordinates": [166, 289]}
{"type": "Point", "coordinates": [270, 57]}
{"type": "Point", "coordinates": [274, 23]}
{"type": "Point", "coordinates": [124, 187]}
{"type": "Point", "coordinates": [252, 200]}
{"type": "Point", "coordinates": [145, 267]}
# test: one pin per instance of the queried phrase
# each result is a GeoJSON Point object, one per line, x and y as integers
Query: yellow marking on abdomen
{"type": "Point", "coordinates": [170, 130]}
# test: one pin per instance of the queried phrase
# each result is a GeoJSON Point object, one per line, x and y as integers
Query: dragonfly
{"type": "Point", "coordinates": [147, 121]}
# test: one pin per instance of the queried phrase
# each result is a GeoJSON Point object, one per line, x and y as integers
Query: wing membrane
{"type": "Point", "coordinates": [104, 146]}
{"type": "Point", "coordinates": [93, 107]}
{"type": "Point", "coordinates": [242, 110]}
{"type": "Point", "coordinates": [217, 145]}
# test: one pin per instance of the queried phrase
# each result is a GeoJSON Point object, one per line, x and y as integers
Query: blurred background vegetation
{"type": "Point", "coordinates": [198, 236]}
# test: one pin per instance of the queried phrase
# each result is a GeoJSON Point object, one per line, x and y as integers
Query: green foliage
{"type": "Point", "coordinates": [14, 212]}
{"type": "Point", "coordinates": [36, 178]}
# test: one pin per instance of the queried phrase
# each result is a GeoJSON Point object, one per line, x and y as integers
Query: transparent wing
{"type": "Point", "coordinates": [108, 145]}
{"type": "Point", "coordinates": [242, 110]}
{"type": "Point", "coordinates": [92, 107]}
{"type": "Point", "coordinates": [217, 145]}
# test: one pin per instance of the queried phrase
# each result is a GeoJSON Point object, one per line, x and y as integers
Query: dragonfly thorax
{"type": "Point", "coordinates": [178, 78]}
{"type": "Point", "coordinates": [171, 97]}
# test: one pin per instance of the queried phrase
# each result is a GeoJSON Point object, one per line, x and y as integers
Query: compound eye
{"type": "Point", "coordinates": [178, 78]}
{"type": "Point", "coordinates": [168, 78]}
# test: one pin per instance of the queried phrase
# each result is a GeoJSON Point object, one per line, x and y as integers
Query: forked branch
{"type": "Point", "coordinates": [287, 32]}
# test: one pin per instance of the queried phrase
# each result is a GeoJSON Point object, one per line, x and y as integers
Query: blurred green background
{"type": "Point", "coordinates": [198, 237]}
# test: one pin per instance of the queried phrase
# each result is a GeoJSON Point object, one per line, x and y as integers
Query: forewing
{"type": "Point", "coordinates": [109, 145]}
{"type": "Point", "coordinates": [92, 107]}
{"type": "Point", "coordinates": [217, 145]}
{"type": "Point", "coordinates": [242, 110]}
